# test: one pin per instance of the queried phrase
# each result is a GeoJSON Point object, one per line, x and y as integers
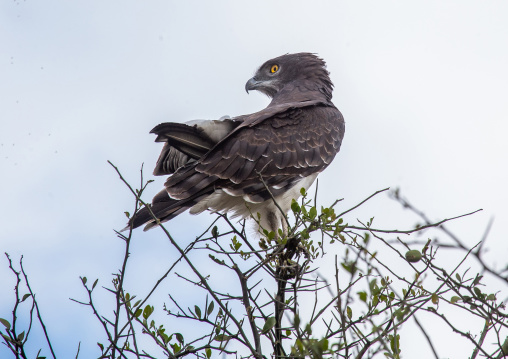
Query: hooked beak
{"type": "Point", "coordinates": [252, 84]}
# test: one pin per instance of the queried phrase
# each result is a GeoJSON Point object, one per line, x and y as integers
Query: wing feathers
{"type": "Point", "coordinates": [185, 143]}
{"type": "Point", "coordinates": [180, 136]}
{"type": "Point", "coordinates": [283, 147]}
{"type": "Point", "coordinates": [282, 156]}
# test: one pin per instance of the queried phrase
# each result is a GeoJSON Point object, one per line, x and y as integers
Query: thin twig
{"type": "Point", "coordinates": [37, 309]}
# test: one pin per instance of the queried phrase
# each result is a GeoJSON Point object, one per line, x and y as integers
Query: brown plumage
{"type": "Point", "coordinates": [218, 165]}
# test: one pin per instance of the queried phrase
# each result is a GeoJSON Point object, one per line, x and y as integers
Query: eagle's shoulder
{"type": "Point", "coordinates": [282, 149]}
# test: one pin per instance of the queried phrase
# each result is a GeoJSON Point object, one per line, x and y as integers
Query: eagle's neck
{"type": "Point", "coordinates": [300, 91]}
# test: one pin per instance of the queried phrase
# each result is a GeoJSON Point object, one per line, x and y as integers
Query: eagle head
{"type": "Point", "coordinates": [300, 70]}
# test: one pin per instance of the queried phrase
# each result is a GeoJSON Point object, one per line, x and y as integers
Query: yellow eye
{"type": "Point", "coordinates": [274, 69]}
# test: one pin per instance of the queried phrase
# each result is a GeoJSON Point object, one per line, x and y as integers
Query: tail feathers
{"type": "Point", "coordinates": [159, 210]}
{"type": "Point", "coordinates": [163, 208]}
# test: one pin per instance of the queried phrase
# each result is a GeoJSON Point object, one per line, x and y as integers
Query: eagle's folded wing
{"type": "Point", "coordinates": [187, 142]}
{"type": "Point", "coordinates": [282, 150]}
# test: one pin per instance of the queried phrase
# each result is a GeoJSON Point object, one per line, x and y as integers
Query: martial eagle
{"type": "Point", "coordinates": [242, 165]}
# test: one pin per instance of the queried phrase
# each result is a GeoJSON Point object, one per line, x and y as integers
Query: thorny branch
{"type": "Point", "coordinates": [280, 296]}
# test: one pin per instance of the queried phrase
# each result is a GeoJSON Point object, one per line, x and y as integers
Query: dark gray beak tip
{"type": "Point", "coordinates": [251, 84]}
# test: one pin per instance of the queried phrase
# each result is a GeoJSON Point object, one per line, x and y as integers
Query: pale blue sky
{"type": "Point", "coordinates": [423, 86]}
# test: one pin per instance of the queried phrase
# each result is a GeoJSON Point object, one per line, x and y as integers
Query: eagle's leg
{"type": "Point", "coordinates": [284, 226]}
{"type": "Point", "coordinates": [272, 217]}
{"type": "Point", "coordinates": [275, 220]}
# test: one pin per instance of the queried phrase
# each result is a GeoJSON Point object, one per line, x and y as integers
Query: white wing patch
{"type": "Point", "coordinates": [240, 207]}
{"type": "Point", "coordinates": [215, 129]}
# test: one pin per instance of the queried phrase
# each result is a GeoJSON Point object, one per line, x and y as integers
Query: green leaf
{"type": "Point", "coordinates": [6, 338]}
{"type": "Point", "coordinates": [6, 324]}
{"type": "Point", "coordinates": [395, 344]}
{"type": "Point", "coordinates": [454, 299]}
{"type": "Point", "coordinates": [218, 261]}
{"type": "Point", "coordinates": [235, 244]}
{"type": "Point", "coordinates": [324, 344]}
{"type": "Point", "coordinates": [366, 238]}
{"type": "Point", "coordinates": [210, 308]}
{"type": "Point", "coordinates": [491, 297]}
{"type": "Point", "coordinates": [198, 311]}
{"type": "Point", "coordinates": [83, 280]}
{"type": "Point", "coordinates": [413, 256]}
{"type": "Point", "coordinates": [348, 267]}
{"type": "Point", "coordinates": [477, 279]}
{"type": "Point", "coordinates": [208, 352]}
{"type": "Point", "coordinates": [295, 207]}
{"type": "Point", "coordinates": [25, 296]}
{"type": "Point", "coordinates": [477, 291]}
{"type": "Point", "coordinates": [375, 301]}
{"type": "Point", "coordinates": [269, 324]}
{"type": "Point", "coordinates": [434, 298]}
{"type": "Point", "coordinates": [179, 337]}
{"type": "Point", "coordinates": [313, 213]}
{"type": "Point", "coordinates": [299, 345]}
{"type": "Point", "coordinates": [296, 322]}
{"type": "Point", "coordinates": [399, 314]}
{"type": "Point", "coordinates": [176, 348]}
{"type": "Point", "coordinates": [21, 336]}
{"type": "Point", "coordinates": [138, 312]}
{"type": "Point", "coordinates": [308, 329]}
{"type": "Point", "coordinates": [504, 347]}
{"type": "Point", "coordinates": [215, 232]}
{"type": "Point", "coordinates": [221, 337]}
{"type": "Point", "coordinates": [101, 346]}
{"type": "Point", "coordinates": [373, 284]}
{"type": "Point", "coordinates": [95, 283]}
{"type": "Point", "coordinates": [147, 311]}
{"type": "Point", "coordinates": [349, 312]}
{"type": "Point", "coordinates": [164, 337]}
{"type": "Point", "coordinates": [363, 296]}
